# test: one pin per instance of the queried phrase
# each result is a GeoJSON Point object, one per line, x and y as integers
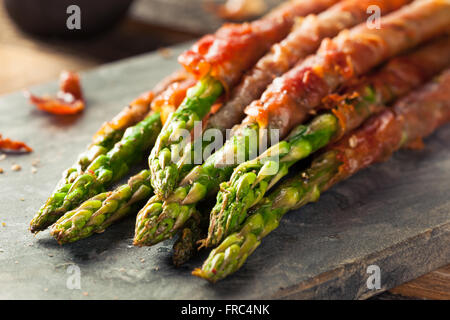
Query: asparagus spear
{"type": "Point", "coordinates": [253, 178]}
{"type": "Point", "coordinates": [250, 180]}
{"type": "Point", "coordinates": [414, 117]}
{"type": "Point", "coordinates": [99, 212]}
{"type": "Point", "coordinates": [170, 142]}
{"type": "Point", "coordinates": [103, 141]}
{"type": "Point", "coordinates": [158, 223]}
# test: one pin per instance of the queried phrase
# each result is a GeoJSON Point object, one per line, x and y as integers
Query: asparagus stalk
{"type": "Point", "coordinates": [251, 179]}
{"type": "Point", "coordinates": [99, 212]}
{"type": "Point", "coordinates": [163, 161]}
{"type": "Point", "coordinates": [102, 171]}
{"type": "Point", "coordinates": [111, 132]}
{"type": "Point", "coordinates": [413, 117]}
{"type": "Point", "coordinates": [161, 222]}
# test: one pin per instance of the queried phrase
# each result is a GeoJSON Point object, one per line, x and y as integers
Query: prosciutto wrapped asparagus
{"type": "Point", "coordinates": [114, 149]}
{"type": "Point", "coordinates": [412, 118]}
{"type": "Point", "coordinates": [290, 98]}
{"type": "Point", "coordinates": [218, 61]}
{"type": "Point", "coordinates": [304, 40]}
{"type": "Point", "coordinates": [251, 180]}
{"type": "Point", "coordinates": [97, 213]}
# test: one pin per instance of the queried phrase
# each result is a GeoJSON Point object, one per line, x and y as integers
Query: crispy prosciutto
{"type": "Point", "coordinates": [68, 100]}
{"type": "Point", "coordinates": [8, 144]}
{"type": "Point", "coordinates": [293, 96]}
{"type": "Point", "coordinates": [234, 48]}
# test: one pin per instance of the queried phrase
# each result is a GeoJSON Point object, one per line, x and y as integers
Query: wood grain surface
{"type": "Point", "coordinates": [25, 61]}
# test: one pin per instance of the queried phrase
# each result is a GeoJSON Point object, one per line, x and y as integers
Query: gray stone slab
{"type": "Point", "coordinates": [395, 215]}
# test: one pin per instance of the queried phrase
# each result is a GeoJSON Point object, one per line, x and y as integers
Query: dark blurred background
{"type": "Point", "coordinates": [35, 44]}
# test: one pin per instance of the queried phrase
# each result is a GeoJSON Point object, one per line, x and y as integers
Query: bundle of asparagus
{"type": "Point", "coordinates": [303, 40]}
{"type": "Point", "coordinates": [276, 74]}
{"type": "Point", "coordinates": [218, 61]}
{"type": "Point", "coordinates": [412, 118]}
{"type": "Point", "coordinates": [250, 180]}
{"type": "Point", "coordinates": [204, 93]}
{"type": "Point", "coordinates": [285, 103]}
{"type": "Point", "coordinates": [97, 213]}
{"type": "Point", "coordinates": [108, 157]}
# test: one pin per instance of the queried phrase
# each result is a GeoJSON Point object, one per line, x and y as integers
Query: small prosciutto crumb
{"type": "Point", "coordinates": [8, 144]}
{"type": "Point", "coordinates": [68, 100]}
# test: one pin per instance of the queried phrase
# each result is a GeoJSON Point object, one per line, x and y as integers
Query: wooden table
{"type": "Point", "coordinates": [25, 61]}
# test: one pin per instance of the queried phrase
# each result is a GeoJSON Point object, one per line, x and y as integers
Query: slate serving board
{"type": "Point", "coordinates": [395, 215]}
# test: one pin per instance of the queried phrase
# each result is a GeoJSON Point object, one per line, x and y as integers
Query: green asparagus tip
{"type": "Point", "coordinates": [197, 104]}
{"type": "Point", "coordinates": [204, 275]}
{"type": "Point", "coordinates": [148, 213]}
{"type": "Point", "coordinates": [47, 213]}
{"type": "Point", "coordinates": [159, 222]}
{"type": "Point", "coordinates": [75, 224]}
{"type": "Point", "coordinates": [228, 257]}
